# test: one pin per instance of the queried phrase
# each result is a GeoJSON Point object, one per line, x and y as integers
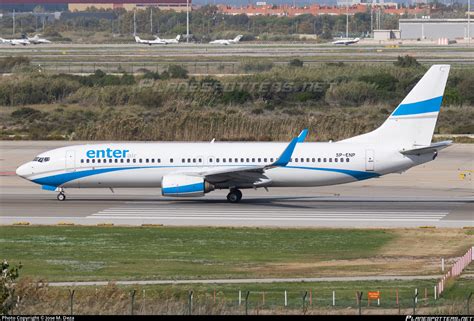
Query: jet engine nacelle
{"type": "Point", "coordinates": [184, 186]}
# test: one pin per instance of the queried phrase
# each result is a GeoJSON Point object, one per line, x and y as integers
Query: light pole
{"type": "Point", "coordinates": [347, 19]}
{"type": "Point", "coordinates": [468, 23]}
{"type": "Point", "coordinates": [187, 20]}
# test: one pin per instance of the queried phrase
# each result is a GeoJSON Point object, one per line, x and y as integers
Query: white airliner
{"type": "Point", "coordinates": [194, 169]}
{"type": "Point", "coordinates": [157, 41]}
{"type": "Point", "coordinates": [226, 41]}
{"type": "Point", "coordinates": [168, 41]}
{"type": "Point", "coordinates": [15, 42]}
{"type": "Point", "coordinates": [346, 41]}
{"type": "Point", "coordinates": [36, 40]}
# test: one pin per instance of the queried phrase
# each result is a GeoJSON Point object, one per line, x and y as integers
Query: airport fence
{"type": "Point", "coordinates": [456, 270]}
{"type": "Point", "coordinates": [111, 299]}
{"type": "Point", "coordinates": [198, 68]}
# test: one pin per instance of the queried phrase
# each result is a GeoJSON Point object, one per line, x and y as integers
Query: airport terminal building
{"type": "Point", "coordinates": [433, 29]}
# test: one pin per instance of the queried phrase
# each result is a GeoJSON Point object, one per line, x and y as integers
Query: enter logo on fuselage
{"type": "Point", "coordinates": [107, 153]}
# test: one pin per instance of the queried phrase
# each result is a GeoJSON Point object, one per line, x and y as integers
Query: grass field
{"type": "Point", "coordinates": [57, 253]}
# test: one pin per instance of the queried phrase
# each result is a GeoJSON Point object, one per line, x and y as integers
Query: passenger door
{"type": "Point", "coordinates": [369, 160]}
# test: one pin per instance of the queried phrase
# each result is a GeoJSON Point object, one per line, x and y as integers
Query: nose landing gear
{"type": "Point", "coordinates": [234, 196]}
{"type": "Point", "coordinates": [61, 196]}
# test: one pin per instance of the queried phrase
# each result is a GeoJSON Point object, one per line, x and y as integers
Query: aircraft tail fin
{"type": "Point", "coordinates": [413, 122]}
{"type": "Point", "coordinates": [178, 37]}
{"type": "Point", "coordinates": [237, 39]}
{"type": "Point", "coordinates": [137, 39]}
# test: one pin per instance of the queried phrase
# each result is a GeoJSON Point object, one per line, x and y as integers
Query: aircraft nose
{"type": "Point", "coordinates": [24, 170]}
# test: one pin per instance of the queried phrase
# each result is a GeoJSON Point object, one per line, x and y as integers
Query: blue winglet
{"type": "Point", "coordinates": [302, 135]}
{"type": "Point", "coordinates": [286, 155]}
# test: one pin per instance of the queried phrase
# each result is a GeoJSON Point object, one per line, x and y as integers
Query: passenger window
{"type": "Point", "coordinates": [121, 160]}
{"type": "Point", "coordinates": [134, 160]}
{"type": "Point", "coordinates": [217, 160]}
{"type": "Point", "coordinates": [46, 159]}
{"type": "Point", "coordinates": [259, 160]}
{"type": "Point", "coordinates": [183, 160]}
{"type": "Point", "coordinates": [271, 159]}
{"type": "Point", "coordinates": [347, 160]}
{"type": "Point", "coordinates": [147, 160]}
{"type": "Point", "coordinates": [330, 160]}
{"type": "Point", "coordinates": [200, 160]}
{"type": "Point", "coordinates": [140, 160]}
{"type": "Point", "coordinates": [82, 161]}
{"type": "Point", "coordinates": [171, 160]}
{"type": "Point", "coordinates": [159, 160]}
{"type": "Point", "coordinates": [342, 160]}
{"type": "Point", "coordinates": [319, 160]}
{"type": "Point", "coordinates": [223, 160]}
{"type": "Point", "coordinates": [194, 160]}
{"type": "Point", "coordinates": [98, 161]}
{"type": "Point", "coordinates": [265, 160]}
{"type": "Point", "coordinates": [116, 160]}
{"type": "Point", "coordinates": [87, 160]}
{"type": "Point", "coordinates": [236, 160]}
{"type": "Point", "coordinates": [335, 160]}
{"type": "Point", "coordinates": [313, 160]}
{"type": "Point", "coordinates": [248, 160]}
{"type": "Point", "coordinates": [210, 160]}
{"type": "Point", "coordinates": [110, 160]}
{"type": "Point", "coordinates": [128, 160]}
{"type": "Point", "coordinates": [189, 160]}
{"type": "Point", "coordinates": [307, 160]}
{"type": "Point", "coordinates": [230, 160]}
{"type": "Point", "coordinates": [93, 160]}
{"type": "Point", "coordinates": [324, 160]}
{"type": "Point", "coordinates": [253, 160]}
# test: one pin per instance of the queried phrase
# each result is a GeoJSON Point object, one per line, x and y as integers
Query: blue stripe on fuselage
{"type": "Point", "coordinates": [60, 179]}
{"type": "Point", "coordinates": [420, 107]}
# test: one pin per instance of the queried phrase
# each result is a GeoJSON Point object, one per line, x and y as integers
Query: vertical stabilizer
{"type": "Point", "coordinates": [412, 123]}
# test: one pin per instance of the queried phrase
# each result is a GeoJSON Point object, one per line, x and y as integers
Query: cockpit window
{"type": "Point", "coordinates": [41, 159]}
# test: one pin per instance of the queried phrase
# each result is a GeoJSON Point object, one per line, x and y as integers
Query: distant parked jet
{"type": "Point", "coordinates": [346, 41]}
{"type": "Point", "coordinates": [168, 41]}
{"type": "Point", "coordinates": [15, 42]}
{"type": "Point", "coordinates": [36, 40]}
{"type": "Point", "coordinates": [226, 41]}
{"type": "Point", "coordinates": [157, 41]}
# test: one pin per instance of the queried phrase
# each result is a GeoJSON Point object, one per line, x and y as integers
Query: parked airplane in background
{"type": "Point", "coordinates": [346, 41]}
{"type": "Point", "coordinates": [193, 169]}
{"type": "Point", "coordinates": [36, 40]}
{"type": "Point", "coordinates": [15, 42]}
{"type": "Point", "coordinates": [157, 41]}
{"type": "Point", "coordinates": [168, 41]}
{"type": "Point", "coordinates": [226, 41]}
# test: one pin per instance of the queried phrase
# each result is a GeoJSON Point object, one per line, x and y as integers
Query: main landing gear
{"type": "Point", "coordinates": [61, 196]}
{"type": "Point", "coordinates": [234, 196]}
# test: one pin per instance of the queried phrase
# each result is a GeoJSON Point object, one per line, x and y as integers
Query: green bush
{"type": "Point", "coordinates": [256, 66]}
{"type": "Point", "coordinates": [8, 63]}
{"type": "Point", "coordinates": [383, 81]}
{"type": "Point", "coordinates": [235, 96]}
{"type": "Point", "coordinates": [352, 93]}
{"type": "Point", "coordinates": [406, 62]}
{"type": "Point", "coordinates": [295, 63]}
{"type": "Point", "coordinates": [176, 71]}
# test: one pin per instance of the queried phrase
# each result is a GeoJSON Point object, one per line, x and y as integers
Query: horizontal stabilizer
{"type": "Point", "coordinates": [427, 149]}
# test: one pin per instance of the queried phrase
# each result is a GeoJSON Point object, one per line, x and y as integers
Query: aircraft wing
{"type": "Point", "coordinates": [427, 149]}
{"type": "Point", "coordinates": [253, 175]}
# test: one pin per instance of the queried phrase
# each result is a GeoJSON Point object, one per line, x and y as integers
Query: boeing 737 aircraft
{"type": "Point", "coordinates": [36, 40]}
{"type": "Point", "coordinates": [226, 41]}
{"type": "Point", "coordinates": [346, 41]}
{"type": "Point", "coordinates": [15, 42]}
{"type": "Point", "coordinates": [157, 41]}
{"type": "Point", "coordinates": [194, 169]}
{"type": "Point", "coordinates": [168, 41]}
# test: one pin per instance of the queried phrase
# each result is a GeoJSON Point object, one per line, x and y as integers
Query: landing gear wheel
{"type": "Point", "coordinates": [234, 196]}
{"type": "Point", "coordinates": [61, 197]}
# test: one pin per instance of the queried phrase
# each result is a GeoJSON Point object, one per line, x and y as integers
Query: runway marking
{"type": "Point", "coordinates": [265, 214]}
